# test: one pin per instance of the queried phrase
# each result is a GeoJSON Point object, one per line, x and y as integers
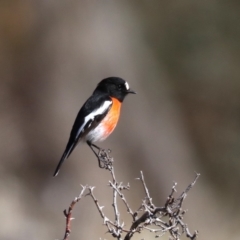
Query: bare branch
{"type": "Point", "coordinates": [111, 226]}
{"type": "Point", "coordinates": [152, 215]}
{"type": "Point", "coordinates": [118, 190]}
{"type": "Point", "coordinates": [146, 190]}
{"type": "Point", "coordinates": [148, 217]}
{"type": "Point", "coordinates": [68, 214]}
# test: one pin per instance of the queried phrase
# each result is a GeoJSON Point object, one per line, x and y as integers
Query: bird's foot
{"type": "Point", "coordinates": [104, 159]}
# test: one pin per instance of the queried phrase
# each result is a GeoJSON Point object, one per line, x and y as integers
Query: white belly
{"type": "Point", "coordinates": [97, 134]}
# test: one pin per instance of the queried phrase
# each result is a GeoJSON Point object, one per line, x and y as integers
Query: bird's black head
{"type": "Point", "coordinates": [114, 87]}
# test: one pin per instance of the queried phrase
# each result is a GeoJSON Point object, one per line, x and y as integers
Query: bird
{"type": "Point", "coordinates": [98, 116]}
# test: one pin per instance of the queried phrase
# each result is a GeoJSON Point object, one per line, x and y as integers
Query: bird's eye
{"type": "Point", "coordinates": [119, 87]}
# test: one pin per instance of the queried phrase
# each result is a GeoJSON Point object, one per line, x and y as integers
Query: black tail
{"type": "Point", "coordinates": [64, 156]}
{"type": "Point", "coordinates": [70, 146]}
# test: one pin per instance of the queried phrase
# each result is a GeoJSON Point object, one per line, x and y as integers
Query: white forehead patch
{"type": "Point", "coordinates": [126, 85]}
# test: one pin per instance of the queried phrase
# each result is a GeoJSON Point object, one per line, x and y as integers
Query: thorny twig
{"type": "Point", "coordinates": [149, 199]}
{"type": "Point", "coordinates": [111, 226]}
{"type": "Point", "coordinates": [158, 220]}
{"type": "Point", "coordinates": [68, 214]}
{"type": "Point", "coordinates": [148, 214]}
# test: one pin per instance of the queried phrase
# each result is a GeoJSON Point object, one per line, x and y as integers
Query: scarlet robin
{"type": "Point", "coordinates": [98, 116]}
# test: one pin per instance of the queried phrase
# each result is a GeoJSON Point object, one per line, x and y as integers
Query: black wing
{"type": "Point", "coordinates": [93, 110]}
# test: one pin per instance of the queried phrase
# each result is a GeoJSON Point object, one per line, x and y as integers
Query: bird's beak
{"type": "Point", "coordinates": [131, 91]}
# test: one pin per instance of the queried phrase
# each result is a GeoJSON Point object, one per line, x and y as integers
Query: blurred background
{"type": "Point", "coordinates": [182, 58]}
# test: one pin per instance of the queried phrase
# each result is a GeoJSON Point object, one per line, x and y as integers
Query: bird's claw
{"type": "Point", "coordinates": [104, 160]}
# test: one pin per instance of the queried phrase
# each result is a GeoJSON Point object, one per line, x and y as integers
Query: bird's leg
{"type": "Point", "coordinates": [102, 155]}
{"type": "Point", "coordinates": [98, 148]}
{"type": "Point", "coordinates": [93, 145]}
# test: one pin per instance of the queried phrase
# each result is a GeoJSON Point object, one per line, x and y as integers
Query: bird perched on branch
{"type": "Point", "coordinates": [98, 116]}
